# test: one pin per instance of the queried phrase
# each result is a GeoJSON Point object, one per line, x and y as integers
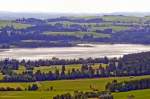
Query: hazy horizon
{"type": "Point", "coordinates": [75, 6]}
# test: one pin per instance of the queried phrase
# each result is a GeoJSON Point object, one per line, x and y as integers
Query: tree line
{"type": "Point", "coordinates": [129, 65]}
{"type": "Point", "coordinates": [13, 64]}
{"type": "Point", "coordinates": [32, 87]}
{"type": "Point", "coordinates": [124, 86]}
{"type": "Point", "coordinates": [85, 95]}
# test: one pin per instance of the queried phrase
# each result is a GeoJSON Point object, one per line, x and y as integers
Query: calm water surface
{"type": "Point", "coordinates": [97, 50]}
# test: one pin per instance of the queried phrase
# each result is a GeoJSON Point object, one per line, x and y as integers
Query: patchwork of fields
{"type": "Point", "coordinates": [111, 29]}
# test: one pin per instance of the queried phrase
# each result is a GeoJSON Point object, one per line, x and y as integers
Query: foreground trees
{"type": "Point", "coordinates": [32, 87]}
{"type": "Point", "coordinates": [85, 95]}
{"type": "Point", "coordinates": [128, 85]}
{"type": "Point", "coordinates": [11, 89]}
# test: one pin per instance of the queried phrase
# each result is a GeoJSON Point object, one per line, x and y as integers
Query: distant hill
{"type": "Point", "coordinates": [16, 15]}
{"type": "Point", "coordinates": [41, 15]}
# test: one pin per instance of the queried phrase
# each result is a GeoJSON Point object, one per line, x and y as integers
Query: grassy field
{"type": "Point", "coordinates": [114, 28]}
{"type": "Point", "coordinates": [4, 23]}
{"type": "Point", "coordinates": [121, 18]}
{"type": "Point", "coordinates": [46, 69]}
{"type": "Point", "coordinates": [139, 94]}
{"type": "Point", "coordinates": [95, 26]}
{"type": "Point", "coordinates": [78, 34]}
{"type": "Point", "coordinates": [64, 86]}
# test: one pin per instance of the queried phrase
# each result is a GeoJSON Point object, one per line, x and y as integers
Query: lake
{"type": "Point", "coordinates": [82, 51]}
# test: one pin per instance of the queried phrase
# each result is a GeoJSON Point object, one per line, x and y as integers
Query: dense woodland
{"type": "Point", "coordinates": [128, 85]}
{"type": "Point", "coordinates": [129, 65]}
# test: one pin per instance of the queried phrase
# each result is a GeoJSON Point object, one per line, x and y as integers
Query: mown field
{"type": "Point", "coordinates": [64, 86]}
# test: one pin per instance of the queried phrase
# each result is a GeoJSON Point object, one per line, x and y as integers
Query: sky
{"type": "Point", "coordinates": [75, 6]}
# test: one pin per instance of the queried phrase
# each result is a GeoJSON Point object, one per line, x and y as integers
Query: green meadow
{"type": "Point", "coordinates": [78, 34]}
{"type": "Point", "coordinates": [4, 23]}
{"type": "Point", "coordinates": [138, 94]}
{"type": "Point", "coordinates": [46, 69]}
{"type": "Point", "coordinates": [64, 86]}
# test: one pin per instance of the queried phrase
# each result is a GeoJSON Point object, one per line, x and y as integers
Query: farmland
{"type": "Point", "coordinates": [4, 23]}
{"type": "Point", "coordinates": [72, 30]}
{"type": "Point", "coordinates": [79, 34]}
{"type": "Point", "coordinates": [64, 86]}
{"type": "Point", "coordinates": [140, 94]}
{"type": "Point", "coordinates": [46, 69]}
{"type": "Point", "coordinates": [58, 76]}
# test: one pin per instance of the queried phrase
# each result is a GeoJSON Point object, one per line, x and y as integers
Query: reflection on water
{"type": "Point", "coordinates": [97, 50]}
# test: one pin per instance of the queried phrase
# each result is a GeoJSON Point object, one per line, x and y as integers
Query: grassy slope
{"type": "Point", "coordinates": [64, 86]}
{"type": "Point", "coordinates": [139, 94]}
{"type": "Point", "coordinates": [94, 26]}
{"type": "Point", "coordinates": [121, 18]}
{"type": "Point", "coordinates": [114, 28]}
{"type": "Point", "coordinates": [4, 23]}
{"type": "Point", "coordinates": [78, 34]}
{"type": "Point", "coordinates": [46, 69]}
